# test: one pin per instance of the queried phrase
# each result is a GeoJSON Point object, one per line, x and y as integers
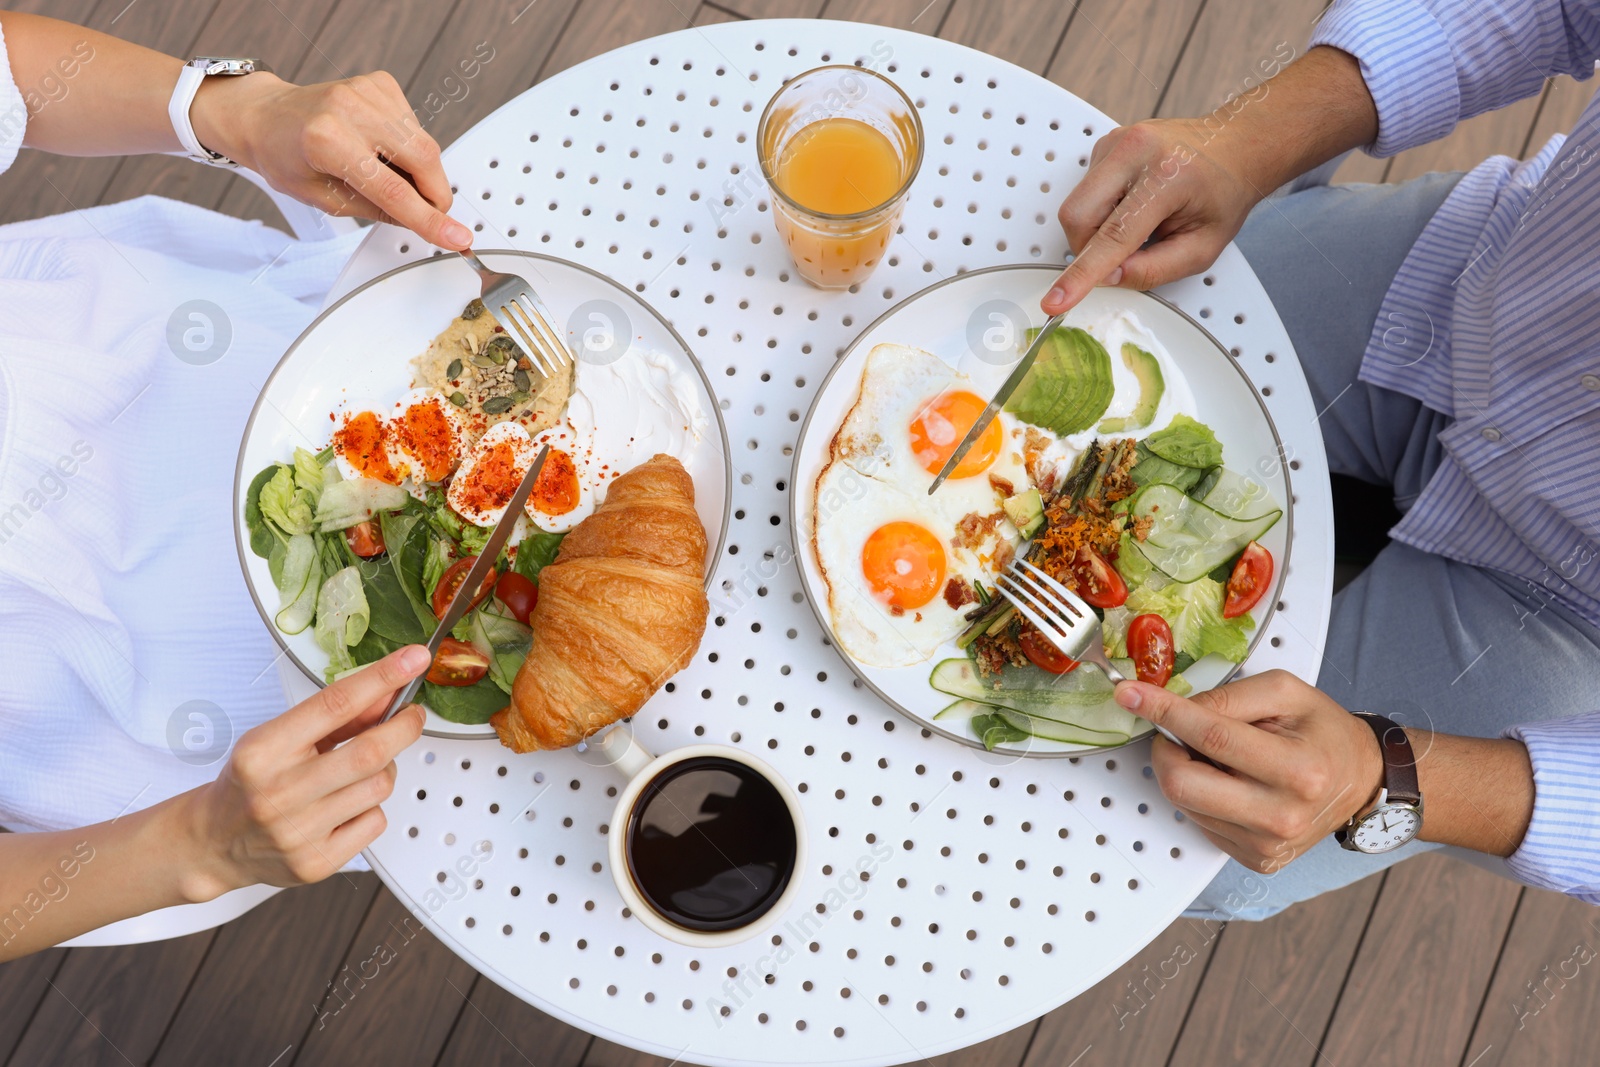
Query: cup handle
{"type": "Point", "coordinates": [624, 752]}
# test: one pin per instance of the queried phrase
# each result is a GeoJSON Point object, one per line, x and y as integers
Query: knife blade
{"type": "Point", "coordinates": [1008, 387]}
{"type": "Point", "coordinates": [461, 602]}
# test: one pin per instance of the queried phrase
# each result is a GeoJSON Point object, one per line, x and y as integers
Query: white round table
{"type": "Point", "coordinates": [994, 889]}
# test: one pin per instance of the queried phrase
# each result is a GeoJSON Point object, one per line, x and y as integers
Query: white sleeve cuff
{"type": "Point", "coordinates": [1561, 849]}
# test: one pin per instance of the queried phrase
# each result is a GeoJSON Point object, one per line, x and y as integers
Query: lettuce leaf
{"type": "Point", "coordinates": [1186, 442]}
{"type": "Point", "coordinates": [1194, 611]}
{"type": "Point", "coordinates": [285, 506]}
{"type": "Point", "coordinates": [308, 474]}
{"type": "Point", "coordinates": [346, 503]}
{"type": "Point", "coordinates": [536, 552]}
{"type": "Point", "coordinates": [342, 618]}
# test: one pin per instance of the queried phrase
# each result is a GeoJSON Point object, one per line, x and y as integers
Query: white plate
{"type": "Point", "coordinates": [938, 320]}
{"type": "Point", "coordinates": [358, 352]}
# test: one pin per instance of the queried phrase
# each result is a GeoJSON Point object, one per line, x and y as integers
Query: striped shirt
{"type": "Point", "coordinates": [1494, 321]}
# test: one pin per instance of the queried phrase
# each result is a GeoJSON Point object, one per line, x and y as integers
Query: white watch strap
{"type": "Point", "coordinates": [183, 94]}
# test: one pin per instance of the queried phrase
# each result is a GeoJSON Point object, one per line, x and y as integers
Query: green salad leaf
{"type": "Point", "coordinates": [1186, 442]}
{"type": "Point", "coordinates": [464, 703]}
{"type": "Point", "coordinates": [1069, 386]}
{"type": "Point", "coordinates": [308, 474]}
{"type": "Point", "coordinates": [407, 536]}
{"type": "Point", "coordinates": [284, 505]}
{"type": "Point", "coordinates": [355, 500]}
{"type": "Point", "coordinates": [536, 552]}
{"type": "Point", "coordinates": [263, 535]}
{"type": "Point", "coordinates": [1151, 469]}
{"type": "Point", "coordinates": [342, 618]}
{"type": "Point", "coordinates": [1194, 611]}
{"type": "Point", "coordinates": [992, 730]}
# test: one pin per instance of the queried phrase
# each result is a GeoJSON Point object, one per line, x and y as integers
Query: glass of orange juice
{"type": "Point", "coordinates": [840, 146]}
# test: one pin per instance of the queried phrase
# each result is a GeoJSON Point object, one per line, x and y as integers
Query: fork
{"type": "Point", "coordinates": [520, 312]}
{"type": "Point", "coordinates": [1068, 623]}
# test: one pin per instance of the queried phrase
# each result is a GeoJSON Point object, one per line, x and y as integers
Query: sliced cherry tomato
{"type": "Point", "coordinates": [518, 594]}
{"type": "Point", "coordinates": [1098, 581]}
{"type": "Point", "coordinates": [1150, 645]}
{"type": "Point", "coordinates": [451, 580]}
{"type": "Point", "coordinates": [1042, 654]}
{"type": "Point", "coordinates": [1249, 580]}
{"type": "Point", "coordinates": [365, 539]}
{"type": "Point", "coordinates": [457, 663]}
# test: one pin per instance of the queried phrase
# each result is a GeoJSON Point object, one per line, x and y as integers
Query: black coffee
{"type": "Point", "coordinates": [711, 844]}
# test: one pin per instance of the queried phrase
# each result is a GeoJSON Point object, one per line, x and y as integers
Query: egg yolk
{"type": "Point", "coordinates": [904, 564]}
{"type": "Point", "coordinates": [363, 442]}
{"type": "Point", "coordinates": [556, 491]}
{"type": "Point", "coordinates": [493, 479]}
{"type": "Point", "coordinates": [425, 432]}
{"type": "Point", "coordinates": [940, 426]}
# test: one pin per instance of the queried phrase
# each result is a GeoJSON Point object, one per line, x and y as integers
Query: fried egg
{"type": "Point", "coordinates": [427, 436]}
{"type": "Point", "coordinates": [572, 482]}
{"type": "Point", "coordinates": [886, 559]}
{"type": "Point", "coordinates": [489, 476]}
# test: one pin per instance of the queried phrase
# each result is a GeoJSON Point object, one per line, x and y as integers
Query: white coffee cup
{"type": "Point", "coordinates": [622, 750]}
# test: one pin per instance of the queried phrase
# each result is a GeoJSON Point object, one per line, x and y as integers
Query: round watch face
{"type": "Point", "coordinates": [1389, 827]}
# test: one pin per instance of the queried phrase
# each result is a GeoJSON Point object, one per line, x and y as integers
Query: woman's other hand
{"type": "Point", "coordinates": [349, 147]}
{"type": "Point", "coordinates": [289, 807]}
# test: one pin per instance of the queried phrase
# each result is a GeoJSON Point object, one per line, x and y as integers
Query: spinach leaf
{"type": "Point", "coordinates": [992, 730]}
{"type": "Point", "coordinates": [373, 646]}
{"type": "Point", "coordinates": [535, 552]}
{"type": "Point", "coordinates": [464, 703]}
{"type": "Point", "coordinates": [262, 537]}
{"type": "Point", "coordinates": [406, 535]}
{"type": "Point", "coordinates": [392, 613]}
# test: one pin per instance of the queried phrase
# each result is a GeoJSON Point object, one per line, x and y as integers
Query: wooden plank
{"type": "Point", "coordinates": [1007, 1050]}
{"type": "Point", "coordinates": [279, 33]}
{"type": "Point", "coordinates": [393, 999]}
{"type": "Point", "coordinates": [357, 38]}
{"type": "Point", "coordinates": [23, 985]}
{"type": "Point", "coordinates": [1273, 985]}
{"type": "Point", "coordinates": [260, 987]}
{"type": "Point", "coordinates": [710, 15]}
{"type": "Point", "coordinates": [1233, 47]}
{"type": "Point", "coordinates": [1118, 55]}
{"type": "Point", "coordinates": [1544, 1003]}
{"type": "Point", "coordinates": [498, 1030]}
{"type": "Point", "coordinates": [772, 9]}
{"type": "Point", "coordinates": [522, 38]}
{"type": "Point", "coordinates": [1424, 965]}
{"type": "Point", "coordinates": [1133, 1016]}
{"type": "Point", "coordinates": [1563, 103]}
{"type": "Point", "coordinates": [111, 1005]}
{"type": "Point", "coordinates": [1502, 132]}
{"type": "Point", "coordinates": [38, 184]}
{"type": "Point", "coordinates": [924, 16]}
{"type": "Point", "coordinates": [1024, 32]}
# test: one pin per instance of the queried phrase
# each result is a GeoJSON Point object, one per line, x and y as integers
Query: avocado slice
{"type": "Point", "coordinates": [1026, 511]}
{"type": "Point", "coordinates": [1147, 369]}
{"type": "Point", "coordinates": [1069, 386]}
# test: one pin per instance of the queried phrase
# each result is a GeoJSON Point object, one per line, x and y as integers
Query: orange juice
{"type": "Point", "coordinates": [839, 167]}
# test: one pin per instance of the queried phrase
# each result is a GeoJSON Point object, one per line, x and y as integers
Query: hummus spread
{"type": "Point", "coordinates": [488, 378]}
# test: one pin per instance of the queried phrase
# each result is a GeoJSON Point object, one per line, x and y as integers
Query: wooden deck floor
{"type": "Point", "coordinates": [1433, 963]}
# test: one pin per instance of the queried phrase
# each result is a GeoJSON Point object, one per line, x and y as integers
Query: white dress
{"type": "Point", "coordinates": [130, 651]}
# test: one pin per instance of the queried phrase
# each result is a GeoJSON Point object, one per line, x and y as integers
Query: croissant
{"type": "Point", "coordinates": [621, 609]}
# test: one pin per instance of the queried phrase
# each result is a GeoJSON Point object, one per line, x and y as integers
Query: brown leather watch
{"type": "Point", "coordinates": [1397, 818]}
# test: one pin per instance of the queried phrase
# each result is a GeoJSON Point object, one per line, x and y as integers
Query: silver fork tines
{"type": "Point", "coordinates": [520, 312]}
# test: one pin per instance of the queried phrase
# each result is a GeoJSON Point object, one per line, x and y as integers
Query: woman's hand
{"type": "Point", "coordinates": [1299, 765]}
{"type": "Point", "coordinates": [289, 807]}
{"type": "Point", "coordinates": [349, 147]}
{"type": "Point", "coordinates": [1168, 181]}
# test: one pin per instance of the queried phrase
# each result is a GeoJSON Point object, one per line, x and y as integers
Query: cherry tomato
{"type": "Point", "coordinates": [1098, 581]}
{"type": "Point", "coordinates": [457, 663]}
{"type": "Point", "coordinates": [1150, 645]}
{"type": "Point", "coordinates": [1249, 580]}
{"type": "Point", "coordinates": [451, 580]}
{"type": "Point", "coordinates": [365, 539]}
{"type": "Point", "coordinates": [1042, 654]}
{"type": "Point", "coordinates": [518, 594]}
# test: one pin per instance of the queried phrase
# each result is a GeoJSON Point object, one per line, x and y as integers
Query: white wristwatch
{"type": "Point", "coordinates": [194, 72]}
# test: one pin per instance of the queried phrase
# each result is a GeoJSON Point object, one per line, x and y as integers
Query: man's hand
{"type": "Point", "coordinates": [1299, 765]}
{"type": "Point", "coordinates": [1165, 181]}
{"type": "Point", "coordinates": [1186, 185]}
{"type": "Point", "coordinates": [289, 807]}
{"type": "Point", "coordinates": [349, 147]}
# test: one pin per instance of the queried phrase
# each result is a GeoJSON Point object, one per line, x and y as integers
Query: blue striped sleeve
{"type": "Point", "coordinates": [1407, 63]}
{"type": "Point", "coordinates": [1561, 849]}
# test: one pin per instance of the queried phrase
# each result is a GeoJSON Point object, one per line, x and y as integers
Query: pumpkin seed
{"type": "Point", "coordinates": [458, 399]}
{"type": "Point", "coordinates": [498, 405]}
{"type": "Point", "coordinates": [453, 370]}
{"type": "Point", "coordinates": [473, 309]}
{"type": "Point", "coordinates": [520, 378]}
{"type": "Point", "coordinates": [482, 360]}
{"type": "Point", "coordinates": [500, 348]}
{"type": "Point", "coordinates": [520, 395]}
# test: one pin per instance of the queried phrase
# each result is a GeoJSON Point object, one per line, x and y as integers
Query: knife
{"type": "Point", "coordinates": [461, 602]}
{"type": "Point", "coordinates": [993, 408]}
